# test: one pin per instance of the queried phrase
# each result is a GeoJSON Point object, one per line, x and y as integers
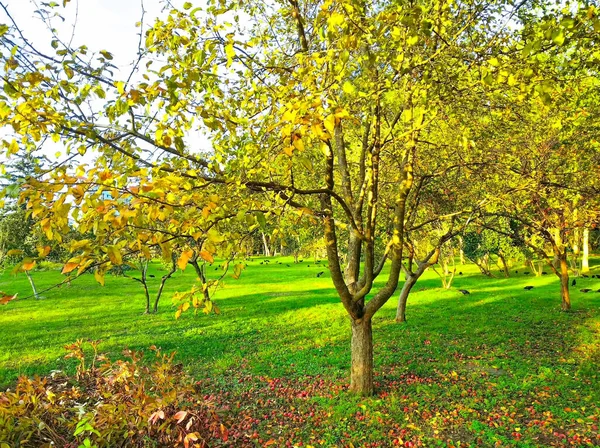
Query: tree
{"type": "Point", "coordinates": [314, 107]}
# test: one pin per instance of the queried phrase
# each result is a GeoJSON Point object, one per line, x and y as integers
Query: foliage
{"type": "Point", "coordinates": [107, 404]}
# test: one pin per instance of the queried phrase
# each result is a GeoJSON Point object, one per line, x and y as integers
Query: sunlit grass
{"type": "Point", "coordinates": [284, 322]}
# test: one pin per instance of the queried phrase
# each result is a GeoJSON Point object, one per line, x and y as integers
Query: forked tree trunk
{"type": "Point", "coordinates": [564, 282]}
{"type": "Point", "coordinates": [200, 272]}
{"type": "Point", "coordinates": [585, 246]}
{"type": "Point", "coordinates": [163, 280]}
{"type": "Point", "coordinates": [266, 245]}
{"type": "Point", "coordinates": [361, 373]}
{"type": "Point", "coordinates": [537, 272]}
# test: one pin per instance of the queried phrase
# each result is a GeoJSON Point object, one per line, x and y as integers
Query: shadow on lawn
{"type": "Point", "coordinates": [300, 333]}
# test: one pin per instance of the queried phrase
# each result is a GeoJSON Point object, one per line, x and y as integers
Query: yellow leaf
{"type": "Point", "coordinates": [13, 147]}
{"type": "Point", "coordinates": [178, 314]}
{"type": "Point", "coordinates": [230, 53]}
{"type": "Point", "coordinates": [184, 258]}
{"type": "Point", "coordinates": [299, 144]}
{"type": "Point", "coordinates": [335, 19]}
{"type": "Point", "coordinates": [167, 251]}
{"type": "Point", "coordinates": [99, 276]}
{"type": "Point", "coordinates": [146, 253]}
{"type": "Point", "coordinates": [114, 255]}
{"type": "Point", "coordinates": [349, 88]}
{"type": "Point", "coordinates": [43, 251]}
{"type": "Point", "coordinates": [14, 252]}
{"type": "Point", "coordinates": [329, 123]}
{"type": "Point", "coordinates": [205, 255]}
{"type": "Point", "coordinates": [289, 150]}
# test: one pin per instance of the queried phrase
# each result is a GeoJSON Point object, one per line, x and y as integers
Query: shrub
{"type": "Point", "coordinates": [126, 403]}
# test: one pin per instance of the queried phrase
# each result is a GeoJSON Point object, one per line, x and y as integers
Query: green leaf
{"type": "Point", "coordinates": [187, 5]}
{"type": "Point", "coordinates": [260, 217]}
{"type": "Point", "coordinates": [558, 36]}
{"type": "Point", "coordinates": [106, 54]}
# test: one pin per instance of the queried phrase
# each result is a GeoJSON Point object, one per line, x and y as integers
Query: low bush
{"type": "Point", "coordinates": [126, 403]}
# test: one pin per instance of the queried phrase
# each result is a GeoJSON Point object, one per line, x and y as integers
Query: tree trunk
{"type": "Point", "coordinates": [266, 245]}
{"type": "Point", "coordinates": [504, 265]}
{"type": "Point", "coordinates": [144, 272]}
{"type": "Point", "coordinates": [531, 266]}
{"type": "Point", "coordinates": [411, 280]}
{"type": "Point", "coordinates": [461, 252]}
{"type": "Point", "coordinates": [558, 241]}
{"type": "Point", "coordinates": [200, 272]}
{"type": "Point", "coordinates": [35, 293]}
{"type": "Point", "coordinates": [162, 283]}
{"type": "Point", "coordinates": [361, 373]}
{"type": "Point", "coordinates": [585, 260]}
{"type": "Point", "coordinates": [351, 272]}
{"type": "Point", "coordinates": [564, 282]}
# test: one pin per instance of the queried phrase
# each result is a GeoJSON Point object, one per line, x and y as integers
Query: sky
{"type": "Point", "coordinates": [100, 24]}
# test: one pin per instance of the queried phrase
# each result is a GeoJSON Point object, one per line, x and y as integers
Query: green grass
{"type": "Point", "coordinates": [465, 370]}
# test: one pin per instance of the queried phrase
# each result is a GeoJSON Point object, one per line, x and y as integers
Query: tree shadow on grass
{"type": "Point", "coordinates": [295, 333]}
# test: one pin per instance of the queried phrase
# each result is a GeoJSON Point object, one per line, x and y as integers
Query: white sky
{"type": "Point", "coordinates": [101, 24]}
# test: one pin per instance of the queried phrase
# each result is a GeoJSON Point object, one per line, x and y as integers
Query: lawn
{"type": "Point", "coordinates": [501, 366]}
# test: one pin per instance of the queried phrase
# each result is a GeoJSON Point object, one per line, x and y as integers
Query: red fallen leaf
{"type": "Point", "coordinates": [180, 416]}
{"type": "Point", "coordinates": [5, 298]}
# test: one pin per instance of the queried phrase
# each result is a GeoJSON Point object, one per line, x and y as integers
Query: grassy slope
{"type": "Point", "coordinates": [482, 368]}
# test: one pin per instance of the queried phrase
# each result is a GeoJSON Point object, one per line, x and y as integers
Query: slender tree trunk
{"type": "Point", "coordinates": [564, 281]}
{"type": "Point", "coordinates": [411, 280]}
{"type": "Point", "coordinates": [361, 374]}
{"type": "Point", "coordinates": [266, 245]}
{"type": "Point", "coordinates": [461, 252]}
{"type": "Point", "coordinates": [164, 279]}
{"type": "Point", "coordinates": [558, 240]}
{"type": "Point", "coordinates": [144, 270]}
{"type": "Point", "coordinates": [351, 272]}
{"type": "Point", "coordinates": [585, 260]}
{"type": "Point", "coordinates": [30, 278]}
{"type": "Point", "coordinates": [200, 272]}
{"type": "Point", "coordinates": [504, 265]}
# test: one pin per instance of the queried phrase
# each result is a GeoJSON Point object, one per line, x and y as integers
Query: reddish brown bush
{"type": "Point", "coordinates": [126, 403]}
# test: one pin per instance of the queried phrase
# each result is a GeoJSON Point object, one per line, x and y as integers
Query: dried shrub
{"type": "Point", "coordinates": [126, 403]}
